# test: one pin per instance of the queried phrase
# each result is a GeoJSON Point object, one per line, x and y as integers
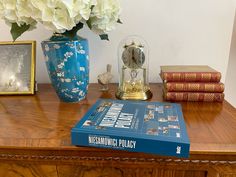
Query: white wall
{"type": "Point", "coordinates": [230, 84]}
{"type": "Point", "coordinates": [177, 31]}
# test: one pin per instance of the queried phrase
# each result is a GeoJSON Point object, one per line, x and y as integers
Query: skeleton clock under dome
{"type": "Point", "coordinates": [133, 69]}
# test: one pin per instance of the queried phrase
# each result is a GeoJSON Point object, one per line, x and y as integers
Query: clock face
{"type": "Point", "coordinates": [133, 57]}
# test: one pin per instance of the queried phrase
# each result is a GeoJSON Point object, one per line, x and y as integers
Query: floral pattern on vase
{"type": "Point", "coordinates": [68, 66]}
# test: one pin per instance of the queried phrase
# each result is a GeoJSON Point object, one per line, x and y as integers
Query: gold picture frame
{"type": "Point", "coordinates": [17, 67]}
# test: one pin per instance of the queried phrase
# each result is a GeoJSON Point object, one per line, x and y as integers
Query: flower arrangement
{"type": "Point", "coordinates": [61, 16]}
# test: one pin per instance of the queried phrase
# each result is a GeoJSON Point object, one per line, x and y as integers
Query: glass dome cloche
{"type": "Point", "coordinates": [133, 63]}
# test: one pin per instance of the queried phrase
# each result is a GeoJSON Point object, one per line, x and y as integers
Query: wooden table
{"type": "Point", "coordinates": [35, 140]}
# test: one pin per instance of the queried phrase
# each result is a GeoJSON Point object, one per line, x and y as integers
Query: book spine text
{"type": "Point", "coordinates": [191, 77]}
{"type": "Point", "coordinates": [194, 96]}
{"type": "Point", "coordinates": [130, 144]}
{"type": "Point", "coordinates": [194, 87]}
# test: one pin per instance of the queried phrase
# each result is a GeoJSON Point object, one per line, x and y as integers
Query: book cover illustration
{"type": "Point", "coordinates": [150, 127]}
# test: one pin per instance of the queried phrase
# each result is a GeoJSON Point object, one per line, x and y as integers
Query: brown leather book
{"type": "Point", "coordinates": [194, 96]}
{"type": "Point", "coordinates": [189, 73]}
{"type": "Point", "coordinates": [194, 87]}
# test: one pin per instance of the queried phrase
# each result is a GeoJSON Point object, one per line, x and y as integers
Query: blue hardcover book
{"type": "Point", "coordinates": [150, 127]}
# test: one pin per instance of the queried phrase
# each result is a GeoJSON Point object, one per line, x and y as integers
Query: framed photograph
{"type": "Point", "coordinates": [17, 67]}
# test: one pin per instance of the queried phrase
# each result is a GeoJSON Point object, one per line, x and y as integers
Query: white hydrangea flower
{"type": "Point", "coordinates": [79, 9]}
{"type": "Point", "coordinates": [53, 14]}
{"type": "Point", "coordinates": [17, 11]}
{"type": "Point", "coordinates": [1, 9]}
{"type": "Point", "coordinates": [8, 9]}
{"type": "Point", "coordinates": [105, 16]}
{"type": "Point", "coordinates": [62, 15]}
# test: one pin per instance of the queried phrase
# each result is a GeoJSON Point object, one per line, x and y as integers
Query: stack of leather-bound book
{"type": "Point", "coordinates": [192, 83]}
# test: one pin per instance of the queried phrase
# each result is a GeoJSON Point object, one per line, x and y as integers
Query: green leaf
{"type": "Point", "coordinates": [89, 24]}
{"type": "Point", "coordinates": [119, 21]}
{"type": "Point", "coordinates": [104, 37]}
{"type": "Point", "coordinates": [72, 33]}
{"type": "Point", "coordinates": [92, 7]}
{"type": "Point", "coordinates": [17, 31]}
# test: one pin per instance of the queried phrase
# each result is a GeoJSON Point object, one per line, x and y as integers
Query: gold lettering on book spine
{"type": "Point", "coordinates": [194, 87]}
{"type": "Point", "coordinates": [191, 96]}
{"type": "Point", "coordinates": [191, 76]}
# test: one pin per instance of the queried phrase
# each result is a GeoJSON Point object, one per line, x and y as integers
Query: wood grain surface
{"type": "Point", "coordinates": [36, 129]}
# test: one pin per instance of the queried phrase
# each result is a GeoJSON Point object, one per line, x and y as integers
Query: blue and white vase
{"type": "Point", "coordinates": [67, 62]}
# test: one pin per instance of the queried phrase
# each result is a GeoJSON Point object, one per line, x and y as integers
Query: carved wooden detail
{"type": "Point", "coordinates": [114, 159]}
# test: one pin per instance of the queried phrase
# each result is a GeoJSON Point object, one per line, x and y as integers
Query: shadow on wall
{"type": "Point", "coordinates": [230, 84]}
